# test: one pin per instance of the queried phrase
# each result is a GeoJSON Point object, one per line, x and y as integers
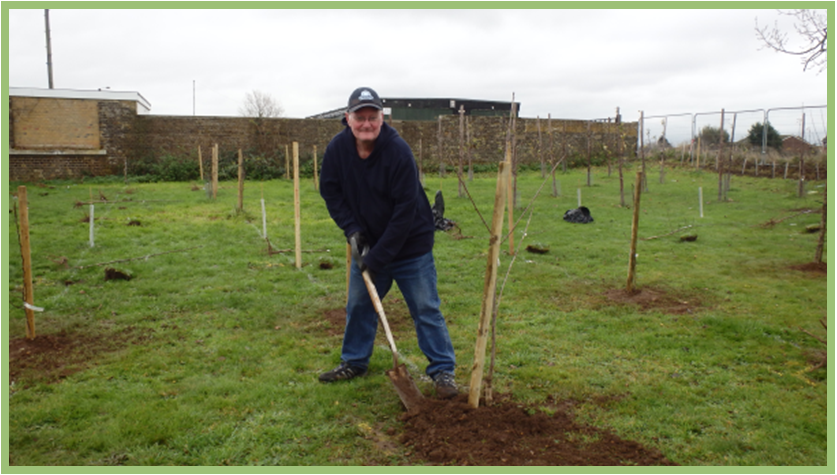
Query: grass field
{"type": "Point", "coordinates": [209, 355]}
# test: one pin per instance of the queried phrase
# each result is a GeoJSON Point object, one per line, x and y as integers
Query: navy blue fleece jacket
{"type": "Point", "coordinates": [379, 196]}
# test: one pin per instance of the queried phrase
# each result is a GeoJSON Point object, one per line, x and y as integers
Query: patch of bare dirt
{"type": "Point", "coordinates": [657, 299]}
{"type": "Point", "coordinates": [398, 317]}
{"type": "Point", "coordinates": [53, 357]}
{"type": "Point", "coordinates": [510, 434]}
{"type": "Point", "coordinates": [812, 268]}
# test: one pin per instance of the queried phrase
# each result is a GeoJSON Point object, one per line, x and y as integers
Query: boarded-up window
{"type": "Point", "coordinates": [55, 124]}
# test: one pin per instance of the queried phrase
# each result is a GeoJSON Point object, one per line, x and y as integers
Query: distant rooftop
{"type": "Point", "coordinates": [143, 106]}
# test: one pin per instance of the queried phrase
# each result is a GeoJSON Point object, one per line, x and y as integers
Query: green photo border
{"type": "Point", "coordinates": [17, 5]}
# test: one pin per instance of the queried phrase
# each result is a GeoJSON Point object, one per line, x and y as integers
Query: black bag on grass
{"type": "Point", "coordinates": [578, 215]}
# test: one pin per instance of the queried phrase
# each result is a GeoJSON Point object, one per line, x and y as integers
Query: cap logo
{"type": "Point", "coordinates": [366, 96]}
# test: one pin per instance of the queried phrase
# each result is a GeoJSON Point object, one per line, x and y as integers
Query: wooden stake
{"type": "Point", "coordinates": [297, 237]}
{"type": "Point", "coordinates": [439, 150]}
{"type": "Point", "coordinates": [215, 171]}
{"type": "Point", "coordinates": [461, 146]}
{"type": "Point", "coordinates": [287, 163]}
{"type": "Point", "coordinates": [240, 181]}
{"type": "Point", "coordinates": [421, 162]}
{"type": "Point", "coordinates": [540, 149]}
{"type": "Point", "coordinates": [316, 178]}
{"type": "Point", "coordinates": [590, 152]}
{"type": "Point", "coordinates": [634, 232]}
{"type": "Point", "coordinates": [26, 255]}
{"type": "Point", "coordinates": [823, 223]}
{"type": "Point", "coordinates": [200, 162]}
{"type": "Point", "coordinates": [490, 288]}
{"type": "Point", "coordinates": [720, 161]}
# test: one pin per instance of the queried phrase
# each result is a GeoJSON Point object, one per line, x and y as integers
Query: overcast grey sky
{"type": "Point", "coordinates": [575, 64]}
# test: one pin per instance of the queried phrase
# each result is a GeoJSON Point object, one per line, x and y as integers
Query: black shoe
{"type": "Point", "coordinates": [344, 371]}
{"type": "Point", "coordinates": [445, 385]}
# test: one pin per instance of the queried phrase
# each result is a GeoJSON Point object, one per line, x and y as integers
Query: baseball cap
{"type": "Point", "coordinates": [364, 97]}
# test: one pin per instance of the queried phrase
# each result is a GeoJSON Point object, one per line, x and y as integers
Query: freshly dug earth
{"type": "Point", "coordinates": [649, 299]}
{"type": "Point", "coordinates": [509, 434]}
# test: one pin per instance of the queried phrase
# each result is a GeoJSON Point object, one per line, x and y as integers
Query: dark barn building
{"type": "Point", "coordinates": [430, 109]}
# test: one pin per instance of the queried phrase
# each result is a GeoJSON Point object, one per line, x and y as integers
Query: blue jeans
{"type": "Point", "coordinates": [416, 278]}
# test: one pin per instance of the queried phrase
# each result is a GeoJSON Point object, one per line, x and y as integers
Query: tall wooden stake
{"type": "Point", "coordinates": [240, 181]}
{"type": "Point", "coordinates": [287, 163]}
{"type": "Point", "coordinates": [634, 233]}
{"type": "Point", "coordinates": [720, 160]}
{"type": "Point", "coordinates": [215, 171]}
{"type": "Point", "coordinates": [490, 288]}
{"type": "Point", "coordinates": [26, 255]}
{"type": "Point", "coordinates": [439, 149]}
{"type": "Point", "coordinates": [589, 151]}
{"type": "Point", "coordinates": [802, 162]}
{"type": "Point", "coordinates": [823, 223]}
{"type": "Point", "coordinates": [316, 178]}
{"type": "Point", "coordinates": [200, 162]}
{"type": "Point", "coordinates": [297, 236]}
{"type": "Point", "coordinates": [540, 149]}
{"type": "Point", "coordinates": [461, 146]}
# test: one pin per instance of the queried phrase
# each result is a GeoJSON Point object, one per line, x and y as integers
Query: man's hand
{"type": "Point", "coordinates": [359, 249]}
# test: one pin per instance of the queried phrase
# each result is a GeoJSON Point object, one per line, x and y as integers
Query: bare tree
{"type": "Point", "coordinates": [260, 105]}
{"type": "Point", "coordinates": [812, 28]}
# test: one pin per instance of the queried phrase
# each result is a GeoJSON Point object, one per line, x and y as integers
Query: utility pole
{"type": "Point", "coordinates": [49, 48]}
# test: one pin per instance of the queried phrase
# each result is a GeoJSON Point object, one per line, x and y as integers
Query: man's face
{"type": "Point", "coordinates": [365, 123]}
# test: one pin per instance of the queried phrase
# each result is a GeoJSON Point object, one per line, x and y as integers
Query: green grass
{"type": "Point", "coordinates": [228, 340]}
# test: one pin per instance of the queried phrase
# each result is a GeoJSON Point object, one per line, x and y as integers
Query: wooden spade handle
{"type": "Point", "coordinates": [376, 301]}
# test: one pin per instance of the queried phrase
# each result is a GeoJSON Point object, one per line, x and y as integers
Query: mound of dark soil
{"type": "Point", "coordinates": [50, 358]}
{"type": "Point", "coordinates": [508, 434]}
{"type": "Point", "coordinates": [655, 299]}
{"type": "Point", "coordinates": [812, 268]}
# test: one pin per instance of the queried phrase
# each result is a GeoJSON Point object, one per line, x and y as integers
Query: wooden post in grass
{"type": "Point", "coordinates": [316, 178]}
{"type": "Point", "coordinates": [215, 171]}
{"type": "Point", "coordinates": [720, 161]}
{"type": "Point", "coordinates": [420, 162]}
{"type": "Point", "coordinates": [264, 215]}
{"type": "Point", "coordinates": [510, 192]}
{"type": "Point", "coordinates": [26, 256]}
{"type": "Point", "coordinates": [540, 149]}
{"type": "Point", "coordinates": [297, 237]}
{"type": "Point", "coordinates": [459, 170]}
{"type": "Point", "coordinates": [490, 287]}
{"type": "Point", "coordinates": [439, 149]}
{"type": "Point", "coordinates": [589, 151]}
{"type": "Point", "coordinates": [468, 146]}
{"type": "Point", "coordinates": [200, 162]}
{"type": "Point", "coordinates": [823, 222]}
{"type": "Point", "coordinates": [240, 181]}
{"type": "Point", "coordinates": [629, 288]}
{"type": "Point", "coordinates": [801, 190]}
{"type": "Point", "coordinates": [287, 163]}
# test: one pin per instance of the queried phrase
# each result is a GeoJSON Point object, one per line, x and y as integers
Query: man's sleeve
{"type": "Point", "coordinates": [331, 189]}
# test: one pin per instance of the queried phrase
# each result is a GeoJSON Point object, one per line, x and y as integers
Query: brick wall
{"type": "Point", "coordinates": [70, 138]}
{"type": "Point", "coordinates": [181, 136]}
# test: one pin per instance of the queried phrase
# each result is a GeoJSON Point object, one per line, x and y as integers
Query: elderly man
{"type": "Point", "coordinates": [371, 188]}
